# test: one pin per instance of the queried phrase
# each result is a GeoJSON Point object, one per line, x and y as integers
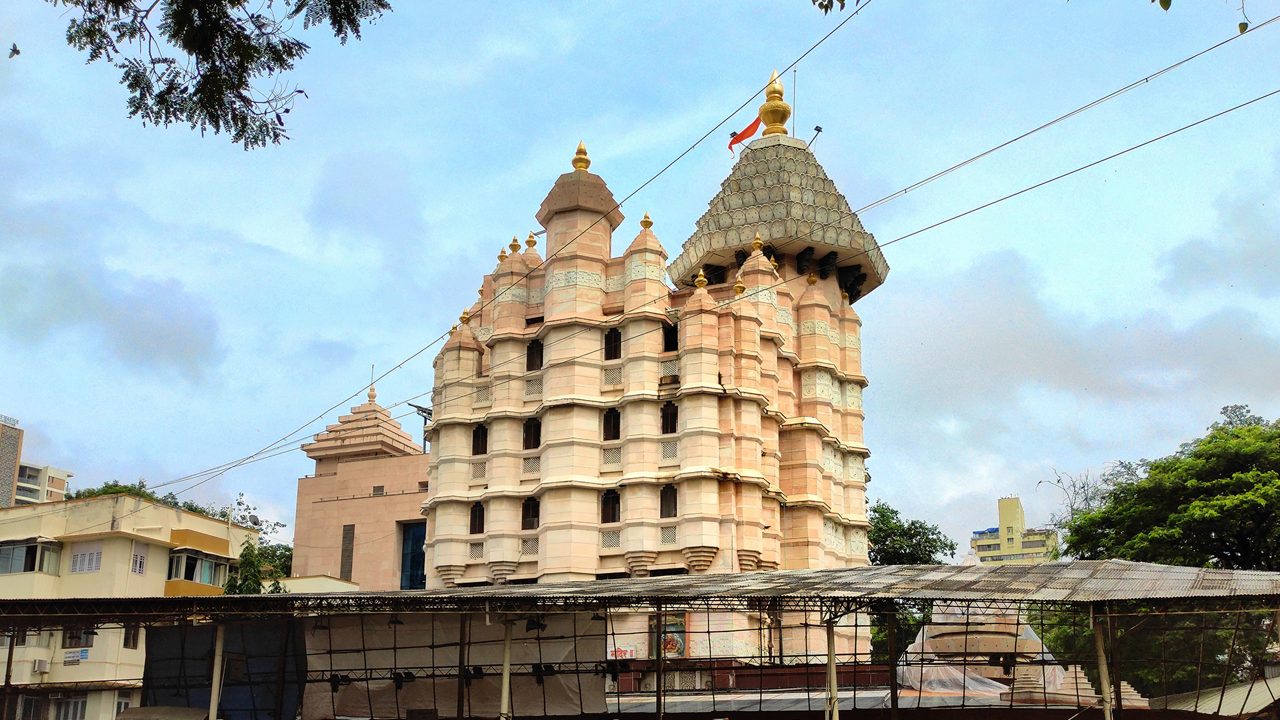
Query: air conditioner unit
{"type": "Point", "coordinates": [40, 665]}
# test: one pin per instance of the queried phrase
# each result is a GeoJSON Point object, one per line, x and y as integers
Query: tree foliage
{"type": "Point", "coordinates": [895, 541]}
{"type": "Point", "coordinates": [260, 564]}
{"type": "Point", "coordinates": [1213, 503]}
{"type": "Point", "coordinates": [213, 64]}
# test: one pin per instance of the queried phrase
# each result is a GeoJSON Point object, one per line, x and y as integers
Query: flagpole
{"type": "Point", "coordinates": [793, 102]}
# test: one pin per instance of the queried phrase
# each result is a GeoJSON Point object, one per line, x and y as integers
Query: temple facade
{"type": "Point", "coordinates": [590, 421]}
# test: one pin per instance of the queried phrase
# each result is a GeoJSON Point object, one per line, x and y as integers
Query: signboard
{"type": "Point", "coordinates": [73, 657]}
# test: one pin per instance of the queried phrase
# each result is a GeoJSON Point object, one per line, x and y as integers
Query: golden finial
{"type": "Point", "coordinates": [701, 280]}
{"type": "Point", "coordinates": [580, 159]}
{"type": "Point", "coordinates": [775, 111]}
{"type": "Point", "coordinates": [739, 288]}
{"type": "Point", "coordinates": [502, 254]}
{"type": "Point", "coordinates": [774, 262]}
{"type": "Point", "coordinates": [465, 317]}
{"type": "Point", "coordinates": [515, 245]}
{"type": "Point", "coordinates": [813, 279]}
{"type": "Point", "coordinates": [844, 296]}
{"type": "Point", "coordinates": [532, 241]}
{"type": "Point", "coordinates": [645, 222]}
{"type": "Point", "coordinates": [757, 244]}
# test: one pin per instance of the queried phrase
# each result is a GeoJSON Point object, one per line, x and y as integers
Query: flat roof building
{"type": "Point", "coordinates": [1011, 542]}
{"type": "Point", "coordinates": [111, 546]}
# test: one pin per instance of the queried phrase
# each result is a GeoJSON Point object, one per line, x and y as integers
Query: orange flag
{"type": "Point", "coordinates": [746, 134]}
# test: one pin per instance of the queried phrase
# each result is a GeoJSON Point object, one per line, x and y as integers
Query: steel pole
{"type": "Point", "coordinates": [504, 702]}
{"type": "Point", "coordinates": [1104, 673]}
{"type": "Point", "coordinates": [215, 683]}
{"type": "Point", "coordinates": [833, 684]}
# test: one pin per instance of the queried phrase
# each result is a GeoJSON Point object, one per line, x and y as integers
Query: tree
{"type": "Point", "coordinates": [259, 564]}
{"type": "Point", "coordinates": [213, 64]}
{"type": "Point", "coordinates": [1213, 503]}
{"type": "Point", "coordinates": [895, 541]}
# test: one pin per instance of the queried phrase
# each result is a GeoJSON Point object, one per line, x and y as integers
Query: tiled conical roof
{"type": "Point", "coordinates": [778, 189]}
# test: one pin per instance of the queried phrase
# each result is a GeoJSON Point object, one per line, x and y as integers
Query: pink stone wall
{"type": "Point", "coordinates": [341, 493]}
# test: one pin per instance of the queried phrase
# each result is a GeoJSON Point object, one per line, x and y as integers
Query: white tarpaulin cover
{"type": "Point", "coordinates": [921, 668]}
{"type": "Point", "coordinates": [427, 646]}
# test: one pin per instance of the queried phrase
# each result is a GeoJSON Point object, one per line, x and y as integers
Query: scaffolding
{"type": "Point", "coordinates": [1067, 639]}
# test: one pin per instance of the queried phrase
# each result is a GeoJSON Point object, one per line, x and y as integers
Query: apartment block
{"type": "Point", "coordinates": [1011, 542]}
{"type": "Point", "coordinates": [109, 546]}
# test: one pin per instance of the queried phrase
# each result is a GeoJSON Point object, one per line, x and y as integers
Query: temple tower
{"type": "Point", "coordinates": [590, 421]}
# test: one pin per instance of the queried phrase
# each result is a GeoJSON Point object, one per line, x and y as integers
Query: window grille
{"type": "Point", "coordinates": [475, 551]}
{"type": "Point", "coordinates": [478, 470]}
{"type": "Point", "coordinates": [611, 456]}
{"type": "Point", "coordinates": [668, 535]}
{"type": "Point", "coordinates": [613, 376]}
{"type": "Point", "coordinates": [670, 450]}
{"type": "Point", "coordinates": [533, 387]}
{"type": "Point", "coordinates": [670, 368]}
{"type": "Point", "coordinates": [532, 465]}
{"type": "Point", "coordinates": [610, 539]}
{"type": "Point", "coordinates": [529, 546]}
{"type": "Point", "coordinates": [482, 394]}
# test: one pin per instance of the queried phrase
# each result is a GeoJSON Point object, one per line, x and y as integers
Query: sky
{"type": "Point", "coordinates": [172, 302]}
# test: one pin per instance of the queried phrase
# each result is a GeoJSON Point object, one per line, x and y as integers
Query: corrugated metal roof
{"type": "Point", "coordinates": [1240, 699]}
{"type": "Point", "coordinates": [1080, 581]}
{"type": "Point", "coordinates": [1075, 581]}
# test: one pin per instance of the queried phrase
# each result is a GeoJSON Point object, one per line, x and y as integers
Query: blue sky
{"type": "Point", "coordinates": [172, 302]}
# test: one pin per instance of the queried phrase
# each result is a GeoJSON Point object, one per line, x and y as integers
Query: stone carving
{"type": "Point", "coordinates": [575, 278]}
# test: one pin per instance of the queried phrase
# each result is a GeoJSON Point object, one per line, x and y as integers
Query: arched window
{"type": "Point", "coordinates": [670, 418]}
{"type": "Point", "coordinates": [533, 356]}
{"type": "Point", "coordinates": [479, 439]}
{"type": "Point", "coordinates": [667, 503]}
{"type": "Point", "coordinates": [610, 507]}
{"type": "Point", "coordinates": [477, 518]}
{"type": "Point", "coordinates": [613, 344]}
{"type": "Point", "coordinates": [530, 511]}
{"type": "Point", "coordinates": [532, 434]}
{"type": "Point", "coordinates": [670, 338]}
{"type": "Point", "coordinates": [612, 424]}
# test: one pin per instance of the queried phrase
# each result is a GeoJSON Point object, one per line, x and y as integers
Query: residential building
{"type": "Point", "coordinates": [1011, 542]}
{"type": "Point", "coordinates": [25, 483]}
{"type": "Point", "coordinates": [10, 458]}
{"type": "Point", "coordinates": [107, 546]}
{"type": "Point", "coordinates": [359, 516]}
{"type": "Point", "coordinates": [40, 483]}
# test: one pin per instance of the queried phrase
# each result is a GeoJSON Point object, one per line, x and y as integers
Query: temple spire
{"type": "Point", "coordinates": [775, 111]}
{"type": "Point", "coordinates": [580, 159]}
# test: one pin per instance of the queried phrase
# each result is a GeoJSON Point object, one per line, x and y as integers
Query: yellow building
{"type": "Point", "coordinates": [1012, 542]}
{"type": "Point", "coordinates": [109, 546]}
